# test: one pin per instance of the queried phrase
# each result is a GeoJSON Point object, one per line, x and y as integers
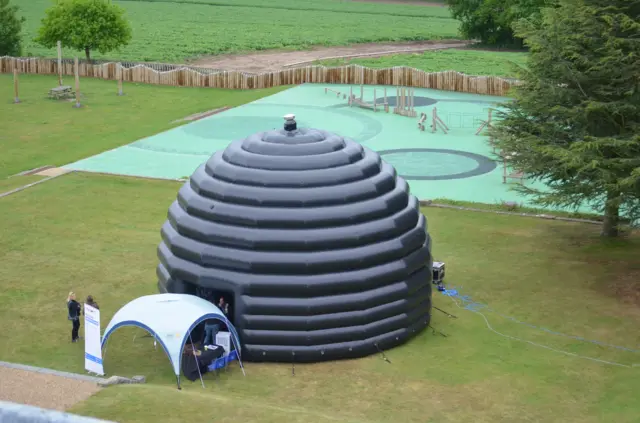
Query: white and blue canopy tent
{"type": "Point", "coordinates": [170, 318]}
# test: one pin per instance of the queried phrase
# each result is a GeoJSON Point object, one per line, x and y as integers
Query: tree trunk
{"type": "Point", "coordinates": [87, 53]}
{"type": "Point", "coordinates": [611, 216]}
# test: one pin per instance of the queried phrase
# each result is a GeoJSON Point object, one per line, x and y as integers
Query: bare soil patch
{"type": "Point", "coordinates": [274, 60]}
{"type": "Point", "coordinates": [43, 390]}
{"type": "Point", "coordinates": [53, 171]}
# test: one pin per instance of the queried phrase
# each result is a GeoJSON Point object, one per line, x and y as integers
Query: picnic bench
{"type": "Point", "coordinates": [61, 92]}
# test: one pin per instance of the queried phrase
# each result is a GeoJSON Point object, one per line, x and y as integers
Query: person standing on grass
{"type": "Point", "coordinates": [75, 310]}
{"type": "Point", "coordinates": [91, 302]}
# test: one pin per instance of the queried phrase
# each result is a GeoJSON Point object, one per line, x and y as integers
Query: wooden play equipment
{"type": "Point", "coordinates": [421, 121]}
{"type": "Point", "coordinates": [437, 122]}
{"type": "Point", "coordinates": [404, 102]}
{"type": "Point", "coordinates": [353, 100]}
{"type": "Point", "coordinates": [506, 175]}
{"type": "Point", "coordinates": [485, 123]}
{"type": "Point", "coordinates": [338, 93]}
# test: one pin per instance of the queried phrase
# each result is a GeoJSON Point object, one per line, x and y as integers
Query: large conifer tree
{"type": "Point", "coordinates": [575, 121]}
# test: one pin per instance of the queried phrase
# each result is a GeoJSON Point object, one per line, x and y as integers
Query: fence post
{"type": "Point", "coordinates": [119, 75]}
{"type": "Point", "coordinates": [16, 97]}
{"type": "Point", "coordinates": [59, 64]}
{"type": "Point", "coordinates": [77, 72]}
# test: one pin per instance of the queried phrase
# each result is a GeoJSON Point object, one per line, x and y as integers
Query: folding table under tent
{"type": "Point", "coordinates": [170, 318]}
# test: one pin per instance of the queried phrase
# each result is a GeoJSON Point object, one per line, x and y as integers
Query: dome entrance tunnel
{"type": "Point", "coordinates": [318, 241]}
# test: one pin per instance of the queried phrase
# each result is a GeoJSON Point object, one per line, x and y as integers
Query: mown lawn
{"type": "Point", "coordinates": [471, 62]}
{"type": "Point", "coordinates": [8, 184]}
{"type": "Point", "coordinates": [39, 131]}
{"type": "Point", "coordinates": [177, 30]}
{"type": "Point", "coordinates": [98, 234]}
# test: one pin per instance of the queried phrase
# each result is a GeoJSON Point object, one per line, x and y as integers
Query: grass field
{"type": "Point", "coordinates": [8, 184]}
{"type": "Point", "coordinates": [39, 132]}
{"type": "Point", "coordinates": [97, 235]}
{"type": "Point", "coordinates": [471, 62]}
{"type": "Point", "coordinates": [177, 30]}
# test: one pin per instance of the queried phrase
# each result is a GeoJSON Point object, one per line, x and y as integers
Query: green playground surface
{"type": "Point", "coordinates": [436, 165]}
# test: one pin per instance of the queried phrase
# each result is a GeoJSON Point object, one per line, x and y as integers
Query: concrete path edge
{"type": "Point", "coordinates": [76, 376]}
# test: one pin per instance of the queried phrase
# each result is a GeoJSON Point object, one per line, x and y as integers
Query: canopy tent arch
{"type": "Point", "coordinates": [170, 318]}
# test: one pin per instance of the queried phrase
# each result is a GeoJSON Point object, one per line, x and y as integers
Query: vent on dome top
{"type": "Point", "coordinates": [290, 123]}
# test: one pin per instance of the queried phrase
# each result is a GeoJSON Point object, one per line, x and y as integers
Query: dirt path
{"type": "Point", "coordinates": [43, 390]}
{"type": "Point", "coordinates": [270, 61]}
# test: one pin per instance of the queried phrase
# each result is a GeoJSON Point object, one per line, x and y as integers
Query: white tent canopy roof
{"type": "Point", "coordinates": [170, 318]}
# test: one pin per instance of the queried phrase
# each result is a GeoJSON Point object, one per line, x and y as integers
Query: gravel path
{"type": "Point", "coordinates": [270, 61]}
{"type": "Point", "coordinates": [43, 390]}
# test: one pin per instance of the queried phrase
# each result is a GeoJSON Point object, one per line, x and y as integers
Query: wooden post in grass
{"type": "Point", "coordinates": [59, 64]}
{"type": "Point", "coordinates": [16, 97]}
{"type": "Point", "coordinates": [77, 72]}
{"type": "Point", "coordinates": [120, 76]}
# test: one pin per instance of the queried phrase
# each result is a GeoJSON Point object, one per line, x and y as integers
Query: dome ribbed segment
{"type": "Point", "coordinates": [319, 243]}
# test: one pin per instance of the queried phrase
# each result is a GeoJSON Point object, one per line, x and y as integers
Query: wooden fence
{"type": "Point", "coordinates": [197, 77]}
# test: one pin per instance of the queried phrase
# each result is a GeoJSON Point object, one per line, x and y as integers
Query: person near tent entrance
{"type": "Point", "coordinates": [212, 327]}
{"type": "Point", "coordinates": [74, 311]}
{"type": "Point", "coordinates": [170, 320]}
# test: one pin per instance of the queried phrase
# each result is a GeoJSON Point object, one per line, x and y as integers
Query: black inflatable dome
{"type": "Point", "coordinates": [318, 242]}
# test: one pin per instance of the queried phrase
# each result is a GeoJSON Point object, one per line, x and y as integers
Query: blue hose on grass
{"type": "Point", "coordinates": [468, 304]}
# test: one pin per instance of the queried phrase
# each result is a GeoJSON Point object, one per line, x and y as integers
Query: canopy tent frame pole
{"type": "Point", "coordinates": [195, 357]}
{"type": "Point", "coordinates": [228, 323]}
{"type": "Point", "coordinates": [239, 356]}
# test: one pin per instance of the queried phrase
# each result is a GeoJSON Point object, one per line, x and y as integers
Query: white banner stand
{"type": "Point", "coordinates": [92, 346]}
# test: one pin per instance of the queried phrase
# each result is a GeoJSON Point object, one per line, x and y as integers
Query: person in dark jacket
{"type": "Point", "coordinates": [92, 303]}
{"type": "Point", "coordinates": [75, 311]}
{"type": "Point", "coordinates": [212, 327]}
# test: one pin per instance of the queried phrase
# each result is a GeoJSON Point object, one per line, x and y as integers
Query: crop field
{"type": "Point", "coordinates": [471, 62]}
{"type": "Point", "coordinates": [179, 30]}
{"type": "Point", "coordinates": [340, 6]}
